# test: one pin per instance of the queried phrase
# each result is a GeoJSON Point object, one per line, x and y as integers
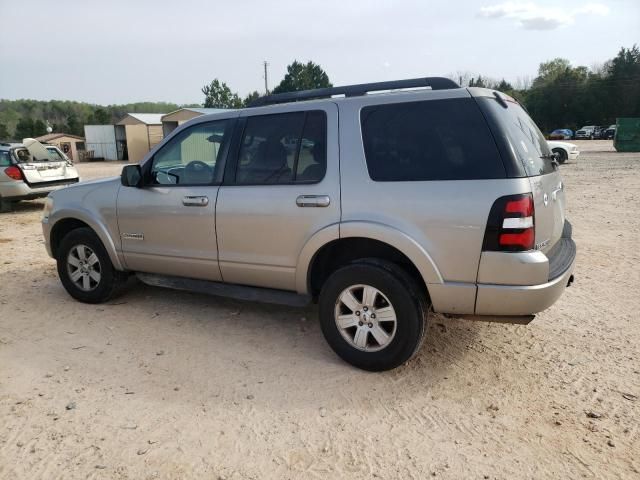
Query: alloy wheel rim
{"type": "Point", "coordinates": [365, 318]}
{"type": "Point", "coordinates": [84, 268]}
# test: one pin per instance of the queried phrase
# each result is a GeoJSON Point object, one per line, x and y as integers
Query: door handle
{"type": "Point", "coordinates": [195, 201]}
{"type": "Point", "coordinates": [313, 201]}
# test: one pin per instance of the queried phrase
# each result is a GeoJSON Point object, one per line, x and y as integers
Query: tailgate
{"type": "Point", "coordinates": [39, 172]}
{"type": "Point", "coordinates": [549, 203]}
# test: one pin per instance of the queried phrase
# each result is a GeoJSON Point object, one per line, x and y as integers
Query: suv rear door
{"type": "Point", "coordinates": [281, 186]}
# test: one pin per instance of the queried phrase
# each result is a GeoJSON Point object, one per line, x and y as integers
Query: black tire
{"type": "Point", "coordinates": [562, 155]}
{"type": "Point", "coordinates": [111, 280]}
{"type": "Point", "coordinates": [408, 300]}
{"type": "Point", "coordinates": [6, 206]}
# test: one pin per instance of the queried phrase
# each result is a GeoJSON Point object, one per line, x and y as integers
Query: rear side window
{"type": "Point", "coordinates": [5, 159]}
{"type": "Point", "coordinates": [524, 136]}
{"type": "Point", "coordinates": [283, 149]}
{"type": "Point", "coordinates": [429, 140]}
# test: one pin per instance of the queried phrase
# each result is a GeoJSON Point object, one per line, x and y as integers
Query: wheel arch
{"type": "Point", "coordinates": [361, 240]}
{"type": "Point", "coordinates": [65, 222]}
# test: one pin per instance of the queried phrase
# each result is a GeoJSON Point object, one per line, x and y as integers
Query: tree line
{"type": "Point", "coordinates": [28, 118]}
{"type": "Point", "coordinates": [560, 96]}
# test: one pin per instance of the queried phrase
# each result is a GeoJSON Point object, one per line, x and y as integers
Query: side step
{"type": "Point", "coordinates": [238, 292]}
{"type": "Point", "coordinates": [517, 319]}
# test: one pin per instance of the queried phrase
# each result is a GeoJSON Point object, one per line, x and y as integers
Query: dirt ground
{"type": "Point", "coordinates": [165, 384]}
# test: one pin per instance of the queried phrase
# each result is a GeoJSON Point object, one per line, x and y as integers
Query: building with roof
{"type": "Point", "coordinates": [142, 131]}
{"type": "Point", "coordinates": [73, 146]}
{"type": "Point", "coordinates": [172, 120]}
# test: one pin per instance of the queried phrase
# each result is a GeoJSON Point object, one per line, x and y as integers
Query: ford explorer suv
{"type": "Point", "coordinates": [31, 170]}
{"type": "Point", "coordinates": [381, 202]}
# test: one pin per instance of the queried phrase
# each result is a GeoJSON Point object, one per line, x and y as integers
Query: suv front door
{"type": "Point", "coordinates": [282, 185]}
{"type": "Point", "coordinates": [168, 225]}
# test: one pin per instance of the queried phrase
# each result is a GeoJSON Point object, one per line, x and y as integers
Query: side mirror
{"type": "Point", "coordinates": [131, 176]}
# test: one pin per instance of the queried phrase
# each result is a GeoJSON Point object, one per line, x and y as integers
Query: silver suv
{"type": "Point", "coordinates": [379, 206]}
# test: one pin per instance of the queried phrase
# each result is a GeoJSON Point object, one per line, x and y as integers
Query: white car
{"type": "Point", "coordinates": [31, 170]}
{"type": "Point", "coordinates": [565, 150]}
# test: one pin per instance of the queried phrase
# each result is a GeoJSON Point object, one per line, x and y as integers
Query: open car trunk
{"type": "Point", "coordinates": [41, 165]}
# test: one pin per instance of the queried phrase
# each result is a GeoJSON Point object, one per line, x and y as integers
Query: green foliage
{"type": "Point", "coordinates": [24, 129]}
{"type": "Point", "coordinates": [218, 95]}
{"type": "Point", "coordinates": [564, 96]}
{"type": "Point", "coordinates": [4, 132]}
{"type": "Point", "coordinates": [58, 113]}
{"type": "Point", "coordinates": [301, 76]}
{"type": "Point", "coordinates": [479, 82]}
{"type": "Point", "coordinates": [250, 98]}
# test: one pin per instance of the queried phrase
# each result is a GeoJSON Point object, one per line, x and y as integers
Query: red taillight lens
{"type": "Point", "coordinates": [523, 240]}
{"type": "Point", "coordinates": [511, 225]}
{"type": "Point", "coordinates": [13, 172]}
{"type": "Point", "coordinates": [522, 206]}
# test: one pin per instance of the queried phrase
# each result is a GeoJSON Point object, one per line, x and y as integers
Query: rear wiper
{"type": "Point", "coordinates": [553, 157]}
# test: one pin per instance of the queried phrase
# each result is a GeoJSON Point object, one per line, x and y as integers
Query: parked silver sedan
{"type": "Point", "coordinates": [31, 170]}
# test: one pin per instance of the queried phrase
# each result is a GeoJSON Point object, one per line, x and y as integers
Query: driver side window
{"type": "Point", "coordinates": [191, 157]}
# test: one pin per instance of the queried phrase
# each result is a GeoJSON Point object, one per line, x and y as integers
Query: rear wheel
{"type": "Point", "coordinates": [85, 269]}
{"type": "Point", "coordinates": [562, 155]}
{"type": "Point", "coordinates": [6, 206]}
{"type": "Point", "coordinates": [373, 314]}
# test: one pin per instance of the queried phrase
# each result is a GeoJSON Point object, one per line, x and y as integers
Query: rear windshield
{"type": "Point", "coordinates": [429, 140]}
{"type": "Point", "coordinates": [525, 138]}
{"type": "Point", "coordinates": [54, 154]}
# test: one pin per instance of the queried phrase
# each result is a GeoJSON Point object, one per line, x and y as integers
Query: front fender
{"type": "Point", "coordinates": [97, 224]}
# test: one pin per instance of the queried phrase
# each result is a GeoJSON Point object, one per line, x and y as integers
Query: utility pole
{"type": "Point", "coordinates": [266, 81]}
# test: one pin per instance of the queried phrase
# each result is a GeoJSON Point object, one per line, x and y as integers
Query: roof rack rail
{"type": "Point", "coordinates": [436, 83]}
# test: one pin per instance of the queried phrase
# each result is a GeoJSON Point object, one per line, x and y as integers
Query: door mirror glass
{"type": "Point", "coordinates": [131, 176]}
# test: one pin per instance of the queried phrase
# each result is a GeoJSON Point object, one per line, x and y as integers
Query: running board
{"type": "Point", "coordinates": [517, 319]}
{"type": "Point", "coordinates": [238, 292]}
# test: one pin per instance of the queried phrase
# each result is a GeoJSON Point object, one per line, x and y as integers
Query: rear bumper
{"type": "Point", "coordinates": [529, 299]}
{"type": "Point", "coordinates": [574, 154]}
{"type": "Point", "coordinates": [22, 191]}
{"type": "Point", "coordinates": [521, 300]}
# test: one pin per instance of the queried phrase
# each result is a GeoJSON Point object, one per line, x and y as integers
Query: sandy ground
{"type": "Point", "coordinates": [164, 384]}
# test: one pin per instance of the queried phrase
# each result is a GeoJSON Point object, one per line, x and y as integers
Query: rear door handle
{"type": "Point", "coordinates": [195, 201]}
{"type": "Point", "coordinates": [313, 201]}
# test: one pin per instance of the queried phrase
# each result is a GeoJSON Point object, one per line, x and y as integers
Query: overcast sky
{"type": "Point", "coordinates": [113, 51]}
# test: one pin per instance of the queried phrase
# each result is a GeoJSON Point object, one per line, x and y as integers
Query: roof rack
{"type": "Point", "coordinates": [436, 83]}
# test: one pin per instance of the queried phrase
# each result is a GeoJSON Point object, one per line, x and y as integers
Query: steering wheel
{"type": "Point", "coordinates": [195, 171]}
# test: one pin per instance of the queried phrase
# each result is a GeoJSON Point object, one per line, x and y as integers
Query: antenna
{"type": "Point", "coordinates": [266, 78]}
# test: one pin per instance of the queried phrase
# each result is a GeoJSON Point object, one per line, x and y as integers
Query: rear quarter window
{"type": "Point", "coordinates": [5, 159]}
{"type": "Point", "coordinates": [429, 140]}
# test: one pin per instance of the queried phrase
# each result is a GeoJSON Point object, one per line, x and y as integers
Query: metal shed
{"type": "Point", "coordinates": [172, 120]}
{"type": "Point", "coordinates": [143, 131]}
{"type": "Point", "coordinates": [100, 142]}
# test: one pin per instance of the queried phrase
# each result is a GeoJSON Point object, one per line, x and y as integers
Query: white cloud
{"type": "Point", "coordinates": [533, 16]}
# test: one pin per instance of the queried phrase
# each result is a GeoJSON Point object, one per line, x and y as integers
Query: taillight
{"type": "Point", "coordinates": [511, 224]}
{"type": "Point", "coordinates": [13, 172]}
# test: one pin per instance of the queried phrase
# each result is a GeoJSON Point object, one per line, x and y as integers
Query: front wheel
{"type": "Point", "coordinates": [373, 314]}
{"type": "Point", "coordinates": [85, 269]}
